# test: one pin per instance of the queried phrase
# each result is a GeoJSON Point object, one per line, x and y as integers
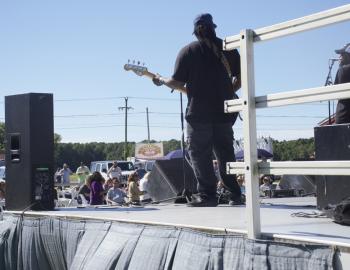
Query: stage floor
{"type": "Point", "coordinates": [276, 219]}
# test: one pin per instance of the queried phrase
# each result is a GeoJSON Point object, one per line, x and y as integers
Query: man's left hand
{"type": "Point", "coordinates": [157, 80]}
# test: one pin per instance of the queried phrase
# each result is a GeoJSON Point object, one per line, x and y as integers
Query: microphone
{"type": "Point", "coordinates": [333, 59]}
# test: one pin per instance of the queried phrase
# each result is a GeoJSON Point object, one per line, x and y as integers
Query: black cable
{"type": "Point", "coordinates": [309, 194]}
{"type": "Point", "coordinates": [21, 221]}
{"type": "Point", "coordinates": [313, 214]}
{"type": "Point", "coordinates": [169, 199]}
{"type": "Point", "coordinates": [28, 207]}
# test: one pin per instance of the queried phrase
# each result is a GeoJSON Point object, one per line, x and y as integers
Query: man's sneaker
{"type": "Point", "coordinates": [202, 200]}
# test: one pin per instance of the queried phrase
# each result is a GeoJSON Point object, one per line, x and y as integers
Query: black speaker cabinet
{"type": "Point", "coordinates": [332, 143]}
{"type": "Point", "coordinates": [29, 151]}
{"type": "Point", "coordinates": [167, 179]}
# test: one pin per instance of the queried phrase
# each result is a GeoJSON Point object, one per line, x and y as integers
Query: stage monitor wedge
{"type": "Point", "coordinates": [332, 143]}
{"type": "Point", "coordinates": [167, 179]}
{"type": "Point", "coordinates": [29, 151]}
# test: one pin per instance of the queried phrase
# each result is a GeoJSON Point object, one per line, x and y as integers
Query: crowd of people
{"type": "Point", "coordinates": [94, 189]}
{"type": "Point", "coordinates": [63, 175]}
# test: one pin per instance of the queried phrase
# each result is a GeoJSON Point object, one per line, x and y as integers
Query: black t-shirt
{"type": "Point", "coordinates": [343, 106]}
{"type": "Point", "coordinates": [207, 81]}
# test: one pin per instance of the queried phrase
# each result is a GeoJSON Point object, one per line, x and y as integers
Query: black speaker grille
{"type": "Point", "coordinates": [332, 143]}
{"type": "Point", "coordinates": [167, 179]}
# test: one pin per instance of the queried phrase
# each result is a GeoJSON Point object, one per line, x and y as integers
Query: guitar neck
{"type": "Point", "coordinates": [149, 74]}
{"type": "Point", "coordinates": [142, 71]}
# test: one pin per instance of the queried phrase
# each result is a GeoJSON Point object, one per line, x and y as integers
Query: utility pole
{"type": "Point", "coordinates": [149, 137]}
{"type": "Point", "coordinates": [126, 108]}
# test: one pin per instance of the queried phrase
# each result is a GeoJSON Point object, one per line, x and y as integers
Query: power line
{"type": "Point", "coordinates": [95, 115]}
{"type": "Point", "coordinates": [109, 126]}
{"type": "Point", "coordinates": [147, 98]}
{"type": "Point", "coordinates": [111, 98]}
{"type": "Point", "coordinates": [106, 98]}
{"type": "Point", "coordinates": [290, 116]}
{"type": "Point", "coordinates": [143, 126]}
{"type": "Point", "coordinates": [164, 113]}
{"type": "Point", "coordinates": [114, 114]}
{"type": "Point", "coordinates": [176, 114]}
{"type": "Point", "coordinates": [136, 123]}
{"type": "Point", "coordinates": [87, 99]}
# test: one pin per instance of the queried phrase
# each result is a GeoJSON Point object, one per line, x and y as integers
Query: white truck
{"type": "Point", "coordinates": [103, 166]}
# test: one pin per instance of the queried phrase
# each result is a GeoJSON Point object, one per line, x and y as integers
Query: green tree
{"type": "Point", "coordinates": [171, 145]}
{"type": "Point", "coordinates": [57, 138]}
{"type": "Point", "coordinates": [300, 149]}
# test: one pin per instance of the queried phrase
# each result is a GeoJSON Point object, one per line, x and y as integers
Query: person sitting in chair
{"type": "Point", "coordinates": [115, 195]}
{"type": "Point", "coordinates": [133, 189]}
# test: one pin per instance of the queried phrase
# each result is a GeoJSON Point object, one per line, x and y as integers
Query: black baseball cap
{"type": "Point", "coordinates": [205, 19]}
{"type": "Point", "coordinates": [345, 49]}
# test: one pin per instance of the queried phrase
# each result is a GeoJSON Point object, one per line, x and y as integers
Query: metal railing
{"type": "Point", "coordinates": [249, 103]}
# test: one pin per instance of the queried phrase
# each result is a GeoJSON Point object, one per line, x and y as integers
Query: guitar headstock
{"type": "Point", "coordinates": [137, 69]}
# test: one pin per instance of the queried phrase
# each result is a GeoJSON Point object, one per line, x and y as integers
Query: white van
{"type": "Point", "coordinates": [103, 166]}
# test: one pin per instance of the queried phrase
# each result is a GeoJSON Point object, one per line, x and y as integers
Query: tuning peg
{"type": "Point", "coordinates": [143, 64]}
{"type": "Point", "coordinates": [128, 61]}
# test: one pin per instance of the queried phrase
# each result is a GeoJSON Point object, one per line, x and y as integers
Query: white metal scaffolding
{"type": "Point", "coordinates": [248, 104]}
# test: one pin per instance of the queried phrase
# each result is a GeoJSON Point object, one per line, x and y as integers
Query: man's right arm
{"type": "Point", "coordinates": [170, 82]}
{"type": "Point", "coordinates": [180, 73]}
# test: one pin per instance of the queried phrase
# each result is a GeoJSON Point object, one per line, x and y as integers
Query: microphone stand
{"type": "Point", "coordinates": [186, 194]}
{"type": "Point", "coordinates": [329, 82]}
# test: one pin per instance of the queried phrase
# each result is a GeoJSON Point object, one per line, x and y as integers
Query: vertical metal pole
{"type": "Point", "coordinates": [249, 131]}
{"type": "Point", "coordinates": [182, 127]}
{"type": "Point", "coordinates": [148, 133]}
{"type": "Point", "coordinates": [126, 130]}
{"type": "Point", "coordinates": [184, 192]}
{"type": "Point", "coordinates": [126, 108]}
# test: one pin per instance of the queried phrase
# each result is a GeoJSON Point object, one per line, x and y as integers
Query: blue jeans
{"type": "Point", "coordinates": [203, 140]}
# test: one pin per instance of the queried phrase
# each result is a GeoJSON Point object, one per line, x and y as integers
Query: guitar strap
{"type": "Point", "coordinates": [219, 54]}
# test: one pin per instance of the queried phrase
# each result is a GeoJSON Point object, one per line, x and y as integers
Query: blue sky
{"type": "Point", "coordinates": [76, 50]}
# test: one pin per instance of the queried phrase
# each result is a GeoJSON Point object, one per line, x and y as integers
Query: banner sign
{"type": "Point", "coordinates": [149, 150]}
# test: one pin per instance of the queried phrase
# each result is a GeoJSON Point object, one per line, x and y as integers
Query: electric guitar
{"type": "Point", "coordinates": [143, 71]}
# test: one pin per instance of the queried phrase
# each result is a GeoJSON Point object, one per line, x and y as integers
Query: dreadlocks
{"type": "Point", "coordinates": [204, 32]}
